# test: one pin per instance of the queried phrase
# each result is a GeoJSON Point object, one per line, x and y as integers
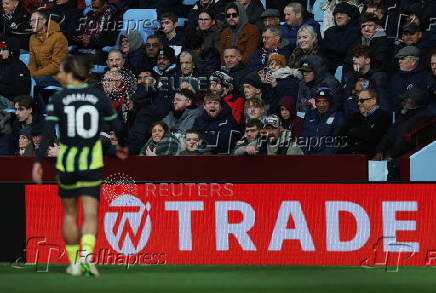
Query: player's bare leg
{"type": "Point", "coordinates": [71, 235]}
{"type": "Point", "coordinates": [90, 207]}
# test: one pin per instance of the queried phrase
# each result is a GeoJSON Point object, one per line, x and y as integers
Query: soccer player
{"type": "Point", "coordinates": [79, 111]}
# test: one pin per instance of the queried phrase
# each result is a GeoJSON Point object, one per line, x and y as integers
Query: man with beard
{"type": "Point", "coordinates": [183, 115]}
{"type": "Point", "coordinates": [273, 140]}
{"type": "Point", "coordinates": [166, 62]}
{"type": "Point", "coordinates": [217, 126]}
{"type": "Point", "coordinates": [239, 33]}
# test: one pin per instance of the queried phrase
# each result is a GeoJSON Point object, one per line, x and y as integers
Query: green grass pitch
{"type": "Point", "coordinates": [196, 278]}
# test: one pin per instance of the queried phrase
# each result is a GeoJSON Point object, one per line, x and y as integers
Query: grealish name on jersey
{"type": "Point", "coordinates": [79, 97]}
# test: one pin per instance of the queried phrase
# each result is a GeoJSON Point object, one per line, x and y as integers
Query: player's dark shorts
{"type": "Point", "coordinates": [74, 184]}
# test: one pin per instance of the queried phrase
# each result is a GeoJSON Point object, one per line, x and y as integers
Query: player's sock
{"type": "Point", "coordinates": [88, 244]}
{"type": "Point", "coordinates": [72, 252]}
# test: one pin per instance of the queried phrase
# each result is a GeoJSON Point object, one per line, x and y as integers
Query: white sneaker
{"type": "Point", "coordinates": [74, 269]}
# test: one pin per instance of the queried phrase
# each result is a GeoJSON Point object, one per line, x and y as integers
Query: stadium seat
{"type": "Point", "coordinates": [25, 58]}
{"type": "Point", "coordinates": [317, 11]}
{"type": "Point", "coordinates": [98, 68]}
{"type": "Point", "coordinates": [338, 74]}
{"type": "Point", "coordinates": [182, 21]}
{"type": "Point", "coordinates": [264, 3]}
{"type": "Point", "coordinates": [88, 4]}
{"type": "Point", "coordinates": [143, 20]}
{"type": "Point", "coordinates": [32, 86]}
{"type": "Point", "coordinates": [189, 2]}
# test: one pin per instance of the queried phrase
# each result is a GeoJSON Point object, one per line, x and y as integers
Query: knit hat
{"type": "Point", "coordinates": [344, 7]}
{"type": "Point", "coordinates": [26, 132]}
{"type": "Point", "coordinates": [222, 78]}
{"type": "Point", "coordinates": [278, 57]}
{"type": "Point", "coordinates": [324, 93]}
{"type": "Point", "coordinates": [253, 79]}
{"type": "Point", "coordinates": [272, 120]}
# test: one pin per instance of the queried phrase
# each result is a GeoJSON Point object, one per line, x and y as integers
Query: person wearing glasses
{"type": "Point", "coordinates": [153, 45]}
{"type": "Point", "coordinates": [239, 33]}
{"type": "Point", "coordinates": [366, 128]}
{"type": "Point", "coordinates": [210, 29]}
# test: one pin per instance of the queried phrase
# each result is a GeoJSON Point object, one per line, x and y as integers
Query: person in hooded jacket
{"type": "Point", "coordinates": [132, 45]}
{"type": "Point", "coordinates": [315, 74]}
{"type": "Point", "coordinates": [140, 118]}
{"type": "Point", "coordinates": [239, 33]}
{"type": "Point", "coordinates": [217, 125]}
{"type": "Point", "coordinates": [339, 39]}
{"type": "Point", "coordinates": [288, 114]}
{"type": "Point", "coordinates": [14, 75]}
{"type": "Point", "coordinates": [209, 28]}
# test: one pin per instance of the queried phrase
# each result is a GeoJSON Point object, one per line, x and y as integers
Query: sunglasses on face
{"type": "Point", "coordinates": [362, 100]}
{"type": "Point", "coordinates": [232, 15]}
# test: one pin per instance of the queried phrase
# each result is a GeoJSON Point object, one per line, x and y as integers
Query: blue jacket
{"type": "Point", "coordinates": [290, 33]}
{"type": "Point", "coordinates": [320, 135]}
{"type": "Point", "coordinates": [221, 133]}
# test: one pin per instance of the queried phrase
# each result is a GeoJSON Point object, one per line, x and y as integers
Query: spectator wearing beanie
{"type": "Point", "coordinates": [339, 39]}
{"type": "Point", "coordinates": [322, 126]}
{"type": "Point", "coordinates": [14, 75]}
{"type": "Point", "coordinates": [221, 85]}
{"type": "Point", "coordinates": [253, 88]}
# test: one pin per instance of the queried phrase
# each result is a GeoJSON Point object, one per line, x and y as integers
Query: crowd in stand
{"type": "Point", "coordinates": [236, 78]}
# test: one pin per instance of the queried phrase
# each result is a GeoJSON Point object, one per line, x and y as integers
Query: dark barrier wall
{"type": "Point", "coordinates": [13, 223]}
{"type": "Point", "coordinates": [336, 168]}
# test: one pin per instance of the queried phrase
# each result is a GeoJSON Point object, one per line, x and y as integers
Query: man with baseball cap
{"type": "Point", "coordinates": [414, 113]}
{"type": "Point", "coordinates": [274, 140]}
{"type": "Point", "coordinates": [412, 73]}
{"type": "Point", "coordinates": [322, 126]}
